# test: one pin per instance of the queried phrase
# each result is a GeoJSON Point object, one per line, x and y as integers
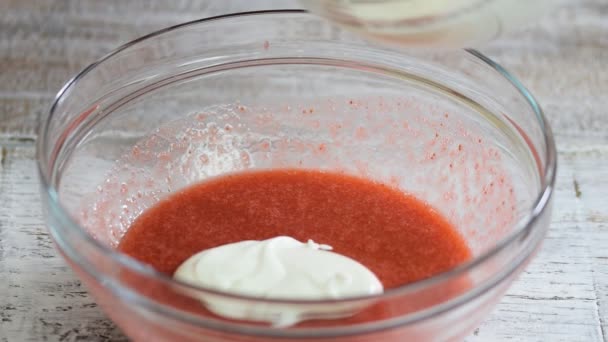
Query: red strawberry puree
{"type": "Point", "coordinates": [398, 237]}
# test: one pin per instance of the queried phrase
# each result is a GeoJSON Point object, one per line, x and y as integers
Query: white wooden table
{"type": "Point", "coordinates": [563, 59]}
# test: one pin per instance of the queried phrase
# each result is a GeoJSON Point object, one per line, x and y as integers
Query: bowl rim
{"type": "Point", "coordinates": [523, 228]}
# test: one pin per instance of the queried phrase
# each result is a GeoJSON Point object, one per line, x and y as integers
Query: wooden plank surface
{"type": "Point", "coordinates": [563, 59]}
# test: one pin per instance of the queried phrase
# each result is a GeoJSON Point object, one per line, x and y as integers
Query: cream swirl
{"type": "Point", "coordinates": [278, 268]}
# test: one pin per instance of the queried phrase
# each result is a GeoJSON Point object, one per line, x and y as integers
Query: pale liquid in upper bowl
{"type": "Point", "coordinates": [439, 23]}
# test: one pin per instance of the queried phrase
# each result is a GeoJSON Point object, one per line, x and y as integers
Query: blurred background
{"type": "Point", "coordinates": [562, 58]}
{"type": "Point", "coordinates": [45, 42]}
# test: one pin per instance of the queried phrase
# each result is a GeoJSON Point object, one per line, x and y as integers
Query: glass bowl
{"type": "Point", "coordinates": [285, 89]}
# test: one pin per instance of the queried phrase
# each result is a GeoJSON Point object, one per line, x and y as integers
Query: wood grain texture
{"type": "Point", "coordinates": [563, 60]}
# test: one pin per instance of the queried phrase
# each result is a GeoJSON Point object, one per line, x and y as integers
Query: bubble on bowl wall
{"type": "Point", "coordinates": [177, 154]}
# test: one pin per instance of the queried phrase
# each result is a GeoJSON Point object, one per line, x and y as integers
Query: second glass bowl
{"type": "Point", "coordinates": [437, 23]}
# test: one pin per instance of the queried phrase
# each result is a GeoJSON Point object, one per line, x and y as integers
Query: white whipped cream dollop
{"type": "Point", "coordinates": [279, 268]}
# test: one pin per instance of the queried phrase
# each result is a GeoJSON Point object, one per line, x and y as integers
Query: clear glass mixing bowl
{"type": "Point", "coordinates": [285, 89]}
